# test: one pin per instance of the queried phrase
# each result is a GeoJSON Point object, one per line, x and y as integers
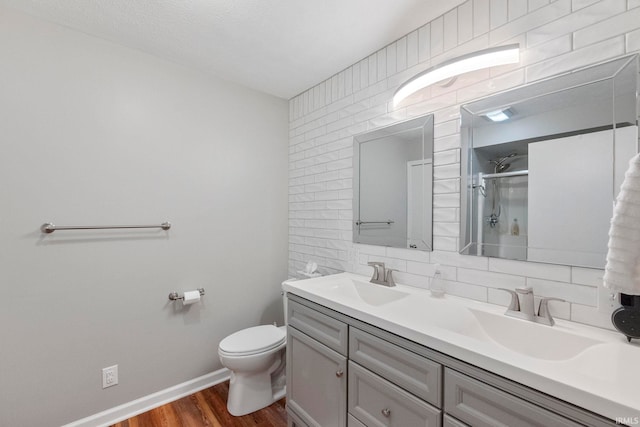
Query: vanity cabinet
{"type": "Point", "coordinates": [395, 382]}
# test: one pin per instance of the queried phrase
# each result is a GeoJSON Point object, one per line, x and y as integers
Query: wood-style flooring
{"type": "Point", "coordinates": [207, 408]}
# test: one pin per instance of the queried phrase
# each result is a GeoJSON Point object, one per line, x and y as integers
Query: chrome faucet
{"type": "Point", "coordinates": [381, 275]}
{"type": "Point", "coordinates": [522, 306]}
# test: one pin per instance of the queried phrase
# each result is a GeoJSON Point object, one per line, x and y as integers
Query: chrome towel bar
{"type": "Point", "coordinates": [50, 227]}
{"type": "Point", "coordinates": [388, 222]}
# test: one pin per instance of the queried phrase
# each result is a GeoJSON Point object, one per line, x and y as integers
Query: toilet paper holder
{"type": "Point", "coordinates": [173, 296]}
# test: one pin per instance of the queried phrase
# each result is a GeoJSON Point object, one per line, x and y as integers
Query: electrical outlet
{"type": "Point", "coordinates": [109, 376]}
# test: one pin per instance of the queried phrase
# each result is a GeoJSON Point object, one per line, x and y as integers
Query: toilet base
{"type": "Point", "coordinates": [251, 392]}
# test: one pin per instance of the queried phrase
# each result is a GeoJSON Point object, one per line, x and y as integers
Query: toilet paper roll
{"type": "Point", "coordinates": [191, 297]}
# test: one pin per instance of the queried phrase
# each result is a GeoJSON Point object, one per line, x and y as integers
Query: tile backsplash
{"type": "Point", "coordinates": [554, 36]}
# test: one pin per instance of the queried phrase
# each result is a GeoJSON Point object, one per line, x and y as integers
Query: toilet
{"type": "Point", "coordinates": [256, 358]}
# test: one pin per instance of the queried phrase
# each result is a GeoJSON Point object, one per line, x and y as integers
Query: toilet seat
{"type": "Point", "coordinates": [254, 340]}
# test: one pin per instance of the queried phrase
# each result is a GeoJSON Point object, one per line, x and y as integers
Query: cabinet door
{"type": "Point", "coordinates": [316, 381]}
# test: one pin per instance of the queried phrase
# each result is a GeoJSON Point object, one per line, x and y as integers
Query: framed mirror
{"type": "Point", "coordinates": [542, 164]}
{"type": "Point", "coordinates": [393, 185]}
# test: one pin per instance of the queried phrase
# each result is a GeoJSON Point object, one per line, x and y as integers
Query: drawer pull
{"type": "Point", "coordinates": [386, 412]}
{"type": "Point", "coordinates": [339, 373]}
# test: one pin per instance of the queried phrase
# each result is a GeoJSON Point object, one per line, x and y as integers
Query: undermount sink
{"type": "Point", "coordinates": [532, 339]}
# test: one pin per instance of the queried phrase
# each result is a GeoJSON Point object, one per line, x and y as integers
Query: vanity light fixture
{"type": "Point", "coordinates": [494, 56]}
{"type": "Point", "coordinates": [499, 115]}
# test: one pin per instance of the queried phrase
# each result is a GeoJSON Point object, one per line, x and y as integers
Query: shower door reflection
{"type": "Point", "coordinates": [503, 224]}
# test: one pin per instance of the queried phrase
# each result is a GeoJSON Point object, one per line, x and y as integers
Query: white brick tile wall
{"type": "Point", "coordinates": [498, 13]}
{"type": "Point", "coordinates": [632, 42]}
{"type": "Point", "coordinates": [548, 50]}
{"type": "Point", "coordinates": [587, 276]}
{"type": "Point", "coordinates": [535, 4]}
{"type": "Point", "coordinates": [424, 43]}
{"type": "Point", "coordinates": [603, 30]}
{"type": "Point", "coordinates": [560, 273]}
{"type": "Point", "coordinates": [590, 316]}
{"type": "Point", "coordinates": [579, 4]}
{"type": "Point", "coordinates": [465, 21]}
{"type": "Point", "coordinates": [446, 186]}
{"type": "Point", "coordinates": [517, 8]}
{"type": "Point", "coordinates": [481, 17]}
{"type": "Point", "coordinates": [450, 29]}
{"type": "Point", "coordinates": [412, 50]}
{"type": "Point", "coordinates": [585, 295]}
{"type": "Point", "coordinates": [555, 36]}
{"type": "Point", "coordinates": [578, 58]}
{"type": "Point", "coordinates": [437, 36]}
{"type": "Point", "coordinates": [466, 290]}
{"type": "Point", "coordinates": [529, 21]}
{"type": "Point", "coordinates": [381, 65]}
{"type": "Point", "coordinates": [446, 214]}
{"type": "Point", "coordinates": [571, 22]}
{"type": "Point", "coordinates": [401, 54]}
{"type": "Point", "coordinates": [490, 279]}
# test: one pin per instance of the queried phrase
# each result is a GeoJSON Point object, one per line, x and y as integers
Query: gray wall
{"type": "Point", "coordinates": [93, 133]}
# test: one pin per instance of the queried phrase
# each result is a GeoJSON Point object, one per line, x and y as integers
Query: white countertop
{"type": "Point", "coordinates": [604, 378]}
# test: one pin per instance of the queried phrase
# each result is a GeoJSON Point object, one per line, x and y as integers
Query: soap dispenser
{"type": "Point", "coordinates": [515, 228]}
{"type": "Point", "coordinates": [437, 284]}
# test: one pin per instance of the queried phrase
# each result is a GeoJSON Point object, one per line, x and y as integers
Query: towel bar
{"type": "Point", "coordinates": [50, 227]}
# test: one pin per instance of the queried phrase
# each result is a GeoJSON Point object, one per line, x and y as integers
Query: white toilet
{"type": "Point", "coordinates": [256, 358]}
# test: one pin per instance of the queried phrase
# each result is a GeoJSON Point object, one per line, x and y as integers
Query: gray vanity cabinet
{"type": "Point", "coordinates": [394, 382]}
{"type": "Point", "coordinates": [316, 373]}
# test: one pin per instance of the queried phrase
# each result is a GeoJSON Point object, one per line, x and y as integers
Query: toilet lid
{"type": "Point", "coordinates": [253, 340]}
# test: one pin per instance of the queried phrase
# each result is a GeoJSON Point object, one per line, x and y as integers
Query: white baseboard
{"type": "Point", "coordinates": [146, 403]}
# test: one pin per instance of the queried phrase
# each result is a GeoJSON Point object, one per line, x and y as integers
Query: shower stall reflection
{"type": "Point", "coordinates": [502, 222]}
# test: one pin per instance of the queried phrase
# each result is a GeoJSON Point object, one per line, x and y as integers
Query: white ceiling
{"type": "Point", "coordinates": [281, 47]}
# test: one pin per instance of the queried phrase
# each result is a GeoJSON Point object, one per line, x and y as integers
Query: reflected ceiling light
{"type": "Point", "coordinates": [499, 115]}
{"type": "Point", "coordinates": [486, 58]}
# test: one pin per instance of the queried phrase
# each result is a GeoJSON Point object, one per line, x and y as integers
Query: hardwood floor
{"type": "Point", "coordinates": [207, 408]}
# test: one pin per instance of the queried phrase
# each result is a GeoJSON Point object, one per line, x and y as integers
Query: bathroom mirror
{"type": "Point", "coordinates": [541, 165]}
{"type": "Point", "coordinates": [393, 185]}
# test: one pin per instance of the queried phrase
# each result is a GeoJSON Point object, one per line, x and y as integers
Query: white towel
{"type": "Point", "coordinates": [622, 272]}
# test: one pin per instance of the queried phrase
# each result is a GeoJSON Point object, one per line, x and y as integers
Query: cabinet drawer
{"type": "Point", "coordinates": [402, 367]}
{"type": "Point", "coordinates": [353, 422]}
{"type": "Point", "coordinates": [376, 402]}
{"type": "Point", "coordinates": [481, 405]}
{"type": "Point", "coordinates": [325, 329]}
{"type": "Point", "coordinates": [449, 421]}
